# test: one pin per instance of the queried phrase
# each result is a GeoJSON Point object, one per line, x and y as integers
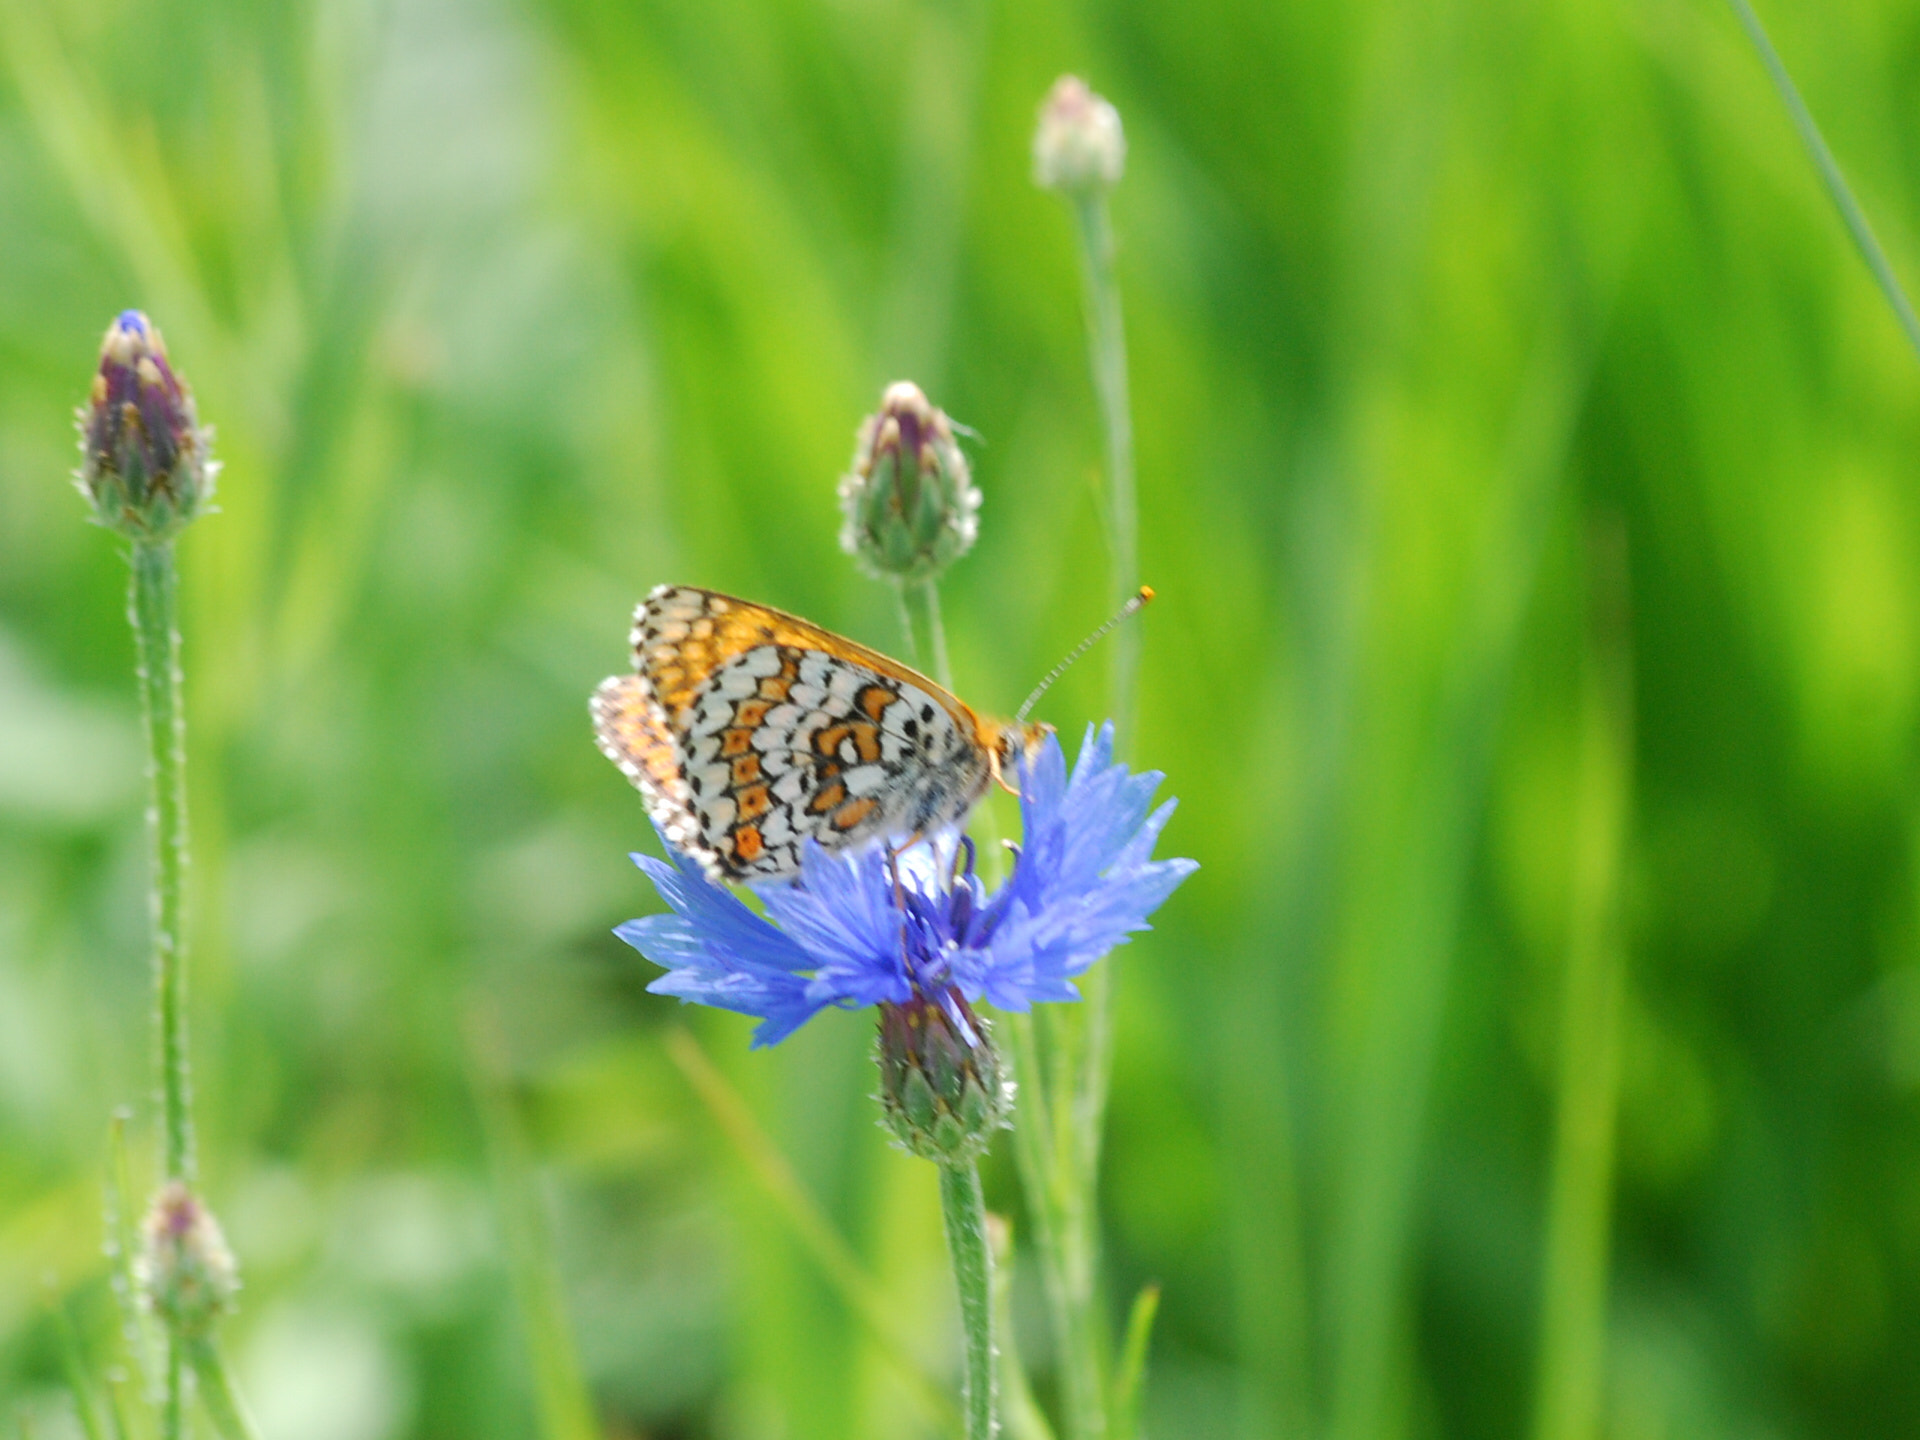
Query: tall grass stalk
{"type": "Point", "coordinates": [560, 1389]}
{"type": "Point", "coordinates": [1829, 168]}
{"type": "Point", "coordinates": [1570, 1383]}
{"type": "Point", "coordinates": [827, 1247]}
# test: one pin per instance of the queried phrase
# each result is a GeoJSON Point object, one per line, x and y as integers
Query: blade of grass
{"type": "Point", "coordinates": [221, 1397]}
{"type": "Point", "coordinates": [1132, 1372]}
{"type": "Point", "coordinates": [815, 1232]}
{"type": "Point", "coordinates": [73, 1362]}
{"type": "Point", "coordinates": [1019, 1411]}
{"type": "Point", "coordinates": [123, 1243]}
{"type": "Point", "coordinates": [1573, 1321]}
{"type": "Point", "coordinates": [566, 1407]}
{"type": "Point", "coordinates": [1837, 188]}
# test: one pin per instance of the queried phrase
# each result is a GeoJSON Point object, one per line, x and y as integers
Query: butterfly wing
{"type": "Point", "coordinates": [750, 731]}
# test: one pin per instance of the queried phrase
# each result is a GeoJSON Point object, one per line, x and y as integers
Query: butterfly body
{"type": "Point", "coordinates": [750, 731]}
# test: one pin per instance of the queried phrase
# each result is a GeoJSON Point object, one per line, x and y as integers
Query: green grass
{"type": "Point", "coordinates": [505, 313]}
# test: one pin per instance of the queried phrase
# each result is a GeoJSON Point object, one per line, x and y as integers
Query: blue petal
{"type": "Point", "coordinates": [842, 913]}
{"type": "Point", "coordinates": [1085, 881]}
{"type": "Point", "coordinates": [718, 952]}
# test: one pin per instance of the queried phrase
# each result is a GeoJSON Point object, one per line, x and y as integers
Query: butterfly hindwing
{"type": "Point", "coordinates": [750, 731]}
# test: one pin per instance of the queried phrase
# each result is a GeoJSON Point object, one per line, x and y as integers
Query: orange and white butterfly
{"type": "Point", "coordinates": [749, 731]}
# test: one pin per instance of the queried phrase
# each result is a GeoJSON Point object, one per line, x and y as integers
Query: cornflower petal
{"type": "Point", "coordinates": [855, 930]}
{"type": "Point", "coordinates": [718, 952]}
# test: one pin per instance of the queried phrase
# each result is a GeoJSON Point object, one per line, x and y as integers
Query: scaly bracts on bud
{"type": "Point", "coordinates": [144, 463]}
{"type": "Point", "coordinates": [187, 1274]}
{"type": "Point", "coordinates": [1079, 145]}
{"type": "Point", "coordinates": [941, 1085]}
{"type": "Point", "coordinates": [910, 505]}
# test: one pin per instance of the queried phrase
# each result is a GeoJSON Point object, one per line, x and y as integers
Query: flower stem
{"type": "Point", "coordinates": [156, 634]}
{"type": "Point", "coordinates": [231, 1421]}
{"type": "Point", "coordinates": [1107, 351]}
{"type": "Point", "coordinates": [1076, 1094]}
{"type": "Point", "coordinates": [173, 1404]}
{"type": "Point", "coordinates": [1045, 1151]}
{"type": "Point", "coordinates": [1829, 168]}
{"type": "Point", "coordinates": [936, 633]}
{"type": "Point", "coordinates": [157, 639]}
{"type": "Point", "coordinates": [920, 614]}
{"type": "Point", "coordinates": [966, 1217]}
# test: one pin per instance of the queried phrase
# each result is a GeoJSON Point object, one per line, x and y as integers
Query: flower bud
{"type": "Point", "coordinates": [910, 505]}
{"type": "Point", "coordinates": [187, 1275]}
{"type": "Point", "coordinates": [1079, 146]}
{"type": "Point", "coordinates": [144, 458]}
{"type": "Point", "coordinates": [941, 1084]}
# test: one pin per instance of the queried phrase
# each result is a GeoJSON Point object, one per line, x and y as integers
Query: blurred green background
{"type": "Point", "coordinates": [1526, 471]}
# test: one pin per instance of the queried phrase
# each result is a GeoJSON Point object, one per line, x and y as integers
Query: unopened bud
{"type": "Point", "coordinates": [144, 458]}
{"type": "Point", "coordinates": [187, 1274]}
{"type": "Point", "coordinates": [910, 505]}
{"type": "Point", "coordinates": [1079, 145]}
{"type": "Point", "coordinates": [941, 1084]}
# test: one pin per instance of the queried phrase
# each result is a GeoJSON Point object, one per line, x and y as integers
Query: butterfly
{"type": "Point", "coordinates": [750, 731]}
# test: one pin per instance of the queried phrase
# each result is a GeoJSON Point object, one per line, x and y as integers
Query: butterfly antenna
{"type": "Point", "coordinates": [1134, 605]}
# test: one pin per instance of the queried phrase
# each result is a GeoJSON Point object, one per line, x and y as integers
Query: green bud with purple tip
{"type": "Point", "coordinates": [1079, 147]}
{"type": "Point", "coordinates": [942, 1088]}
{"type": "Point", "coordinates": [187, 1274]}
{"type": "Point", "coordinates": [910, 504]}
{"type": "Point", "coordinates": [145, 463]}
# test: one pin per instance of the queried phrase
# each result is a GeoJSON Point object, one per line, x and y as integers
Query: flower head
{"type": "Point", "coordinates": [187, 1274]}
{"type": "Point", "coordinates": [872, 928]}
{"type": "Point", "coordinates": [942, 1091]}
{"type": "Point", "coordinates": [145, 463]}
{"type": "Point", "coordinates": [909, 500]}
{"type": "Point", "coordinates": [1078, 146]}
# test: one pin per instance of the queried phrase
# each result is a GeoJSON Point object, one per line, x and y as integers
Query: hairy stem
{"type": "Point", "coordinates": [966, 1217]}
{"type": "Point", "coordinates": [156, 634]}
{"type": "Point", "coordinates": [157, 638]}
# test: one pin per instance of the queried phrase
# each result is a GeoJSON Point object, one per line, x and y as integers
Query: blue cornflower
{"type": "Point", "coordinates": [922, 929]}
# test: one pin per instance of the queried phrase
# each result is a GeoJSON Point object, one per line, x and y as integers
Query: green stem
{"type": "Point", "coordinates": [157, 638]}
{"type": "Point", "coordinates": [1133, 1363]}
{"type": "Point", "coordinates": [1023, 1417]}
{"type": "Point", "coordinates": [1571, 1382]}
{"type": "Point", "coordinates": [1107, 351]}
{"type": "Point", "coordinates": [123, 1241]}
{"type": "Point", "coordinates": [1076, 1099]}
{"type": "Point", "coordinates": [1045, 1150]}
{"type": "Point", "coordinates": [173, 1404]}
{"type": "Point", "coordinates": [1829, 168]}
{"type": "Point", "coordinates": [908, 637]}
{"type": "Point", "coordinates": [936, 633]}
{"type": "Point", "coordinates": [228, 1411]}
{"type": "Point", "coordinates": [920, 615]}
{"type": "Point", "coordinates": [561, 1398]}
{"type": "Point", "coordinates": [73, 1361]}
{"type": "Point", "coordinates": [966, 1217]}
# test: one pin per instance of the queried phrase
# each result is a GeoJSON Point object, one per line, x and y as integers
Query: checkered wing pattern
{"type": "Point", "coordinates": [749, 730]}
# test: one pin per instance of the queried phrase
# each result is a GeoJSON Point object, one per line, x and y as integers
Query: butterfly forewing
{"type": "Point", "coordinates": [749, 731]}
